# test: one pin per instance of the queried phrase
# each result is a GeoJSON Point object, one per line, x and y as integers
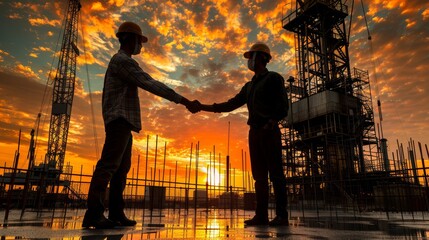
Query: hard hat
{"type": "Point", "coordinates": [258, 47]}
{"type": "Point", "coordinates": [130, 27]}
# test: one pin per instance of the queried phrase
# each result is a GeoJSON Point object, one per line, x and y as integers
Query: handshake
{"type": "Point", "coordinates": [193, 106]}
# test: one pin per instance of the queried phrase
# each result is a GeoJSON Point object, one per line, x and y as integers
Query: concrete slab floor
{"type": "Point", "coordinates": [218, 224]}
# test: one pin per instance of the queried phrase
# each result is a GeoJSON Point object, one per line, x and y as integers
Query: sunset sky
{"type": "Point", "coordinates": [195, 47]}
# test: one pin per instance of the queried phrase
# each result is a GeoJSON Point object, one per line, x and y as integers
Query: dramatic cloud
{"type": "Point", "coordinates": [43, 21]}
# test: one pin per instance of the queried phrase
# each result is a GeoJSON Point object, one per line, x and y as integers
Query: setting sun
{"type": "Point", "coordinates": [213, 176]}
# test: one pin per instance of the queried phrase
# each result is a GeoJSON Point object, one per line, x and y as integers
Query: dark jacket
{"type": "Point", "coordinates": [265, 96]}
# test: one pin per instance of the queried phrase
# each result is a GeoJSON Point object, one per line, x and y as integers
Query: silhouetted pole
{"type": "Point", "coordinates": [155, 158]}
{"type": "Point", "coordinates": [188, 181]}
{"type": "Point", "coordinates": [228, 181]}
{"type": "Point", "coordinates": [214, 168]}
{"type": "Point", "coordinates": [227, 164]}
{"type": "Point", "coordinates": [219, 188]}
{"type": "Point", "coordinates": [137, 184]}
{"type": "Point", "coordinates": [207, 190]}
{"type": "Point", "coordinates": [12, 178]}
{"type": "Point", "coordinates": [242, 169]}
{"type": "Point", "coordinates": [163, 167]}
{"type": "Point", "coordinates": [145, 176]}
{"type": "Point", "coordinates": [197, 152]}
{"type": "Point", "coordinates": [30, 158]}
{"type": "Point", "coordinates": [210, 175]}
{"type": "Point", "coordinates": [427, 151]}
{"type": "Point", "coordinates": [423, 164]}
{"type": "Point", "coordinates": [132, 184]}
{"type": "Point", "coordinates": [152, 191]}
{"type": "Point", "coordinates": [249, 181]}
{"type": "Point", "coordinates": [175, 186]}
{"type": "Point", "coordinates": [163, 175]}
{"type": "Point", "coordinates": [169, 191]}
{"type": "Point", "coordinates": [424, 175]}
{"type": "Point", "coordinates": [186, 190]}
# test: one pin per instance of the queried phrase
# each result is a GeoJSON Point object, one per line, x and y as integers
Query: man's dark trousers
{"type": "Point", "coordinates": [266, 157]}
{"type": "Point", "coordinates": [113, 166]}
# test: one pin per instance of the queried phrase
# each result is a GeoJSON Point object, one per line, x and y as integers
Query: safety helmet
{"type": "Point", "coordinates": [130, 27]}
{"type": "Point", "coordinates": [258, 47]}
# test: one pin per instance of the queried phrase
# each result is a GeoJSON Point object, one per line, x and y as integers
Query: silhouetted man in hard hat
{"type": "Point", "coordinates": [266, 99]}
{"type": "Point", "coordinates": [121, 114]}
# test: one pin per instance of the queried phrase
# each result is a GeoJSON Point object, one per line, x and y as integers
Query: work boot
{"type": "Point", "coordinates": [279, 221]}
{"type": "Point", "coordinates": [122, 220]}
{"type": "Point", "coordinates": [256, 220]}
{"type": "Point", "coordinates": [100, 222]}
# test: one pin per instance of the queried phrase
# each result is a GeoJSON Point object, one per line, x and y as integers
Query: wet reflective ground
{"type": "Point", "coordinates": [220, 224]}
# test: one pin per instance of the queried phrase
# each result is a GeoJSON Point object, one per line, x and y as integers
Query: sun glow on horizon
{"type": "Point", "coordinates": [213, 177]}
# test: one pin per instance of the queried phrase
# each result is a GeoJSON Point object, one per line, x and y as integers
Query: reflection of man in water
{"type": "Point", "coordinates": [121, 114]}
{"type": "Point", "coordinates": [266, 99]}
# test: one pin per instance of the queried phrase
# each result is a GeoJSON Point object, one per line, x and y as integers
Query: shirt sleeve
{"type": "Point", "coordinates": [239, 100]}
{"type": "Point", "coordinates": [129, 70]}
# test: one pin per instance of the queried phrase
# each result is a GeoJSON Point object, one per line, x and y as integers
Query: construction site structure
{"type": "Point", "coordinates": [330, 137]}
{"type": "Point", "coordinates": [50, 172]}
{"type": "Point", "coordinates": [63, 89]}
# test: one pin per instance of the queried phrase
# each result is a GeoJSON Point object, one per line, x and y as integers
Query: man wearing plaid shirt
{"type": "Point", "coordinates": [121, 114]}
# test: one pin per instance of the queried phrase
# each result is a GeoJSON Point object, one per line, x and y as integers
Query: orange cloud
{"type": "Point", "coordinates": [425, 14]}
{"type": "Point", "coordinates": [98, 6]}
{"type": "Point", "coordinates": [410, 23]}
{"type": "Point", "coordinates": [42, 49]}
{"type": "Point", "coordinates": [3, 53]}
{"type": "Point", "coordinates": [26, 71]}
{"type": "Point", "coordinates": [33, 6]}
{"type": "Point", "coordinates": [117, 3]}
{"type": "Point", "coordinates": [43, 21]}
{"type": "Point", "coordinates": [88, 58]}
{"type": "Point", "coordinates": [15, 16]}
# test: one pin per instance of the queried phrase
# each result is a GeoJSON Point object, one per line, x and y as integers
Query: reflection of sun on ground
{"type": "Point", "coordinates": [214, 227]}
{"type": "Point", "coordinates": [212, 176]}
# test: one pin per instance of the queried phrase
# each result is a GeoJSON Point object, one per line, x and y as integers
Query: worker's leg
{"type": "Point", "coordinates": [118, 134]}
{"type": "Point", "coordinates": [260, 175]}
{"type": "Point", "coordinates": [117, 187]}
{"type": "Point", "coordinates": [277, 177]}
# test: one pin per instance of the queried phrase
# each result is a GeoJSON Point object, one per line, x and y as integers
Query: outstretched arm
{"type": "Point", "coordinates": [195, 106]}
{"type": "Point", "coordinates": [129, 70]}
{"type": "Point", "coordinates": [207, 108]}
{"type": "Point", "coordinates": [228, 106]}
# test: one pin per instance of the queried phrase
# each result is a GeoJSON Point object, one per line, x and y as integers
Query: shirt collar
{"type": "Point", "coordinates": [122, 51]}
{"type": "Point", "coordinates": [263, 73]}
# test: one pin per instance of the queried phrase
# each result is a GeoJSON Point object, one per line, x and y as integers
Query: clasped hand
{"type": "Point", "coordinates": [194, 106]}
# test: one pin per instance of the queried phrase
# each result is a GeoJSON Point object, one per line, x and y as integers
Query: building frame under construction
{"type": "Point", "coordinates": [331, 149]}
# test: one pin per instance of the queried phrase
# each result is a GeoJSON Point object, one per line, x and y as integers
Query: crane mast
{"type": "Point", "coordinates": [63, 89]}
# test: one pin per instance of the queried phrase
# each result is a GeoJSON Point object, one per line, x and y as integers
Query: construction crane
{"type": "Point", "coordinates": [63, 90]}
{"type": "Point", "coordinates": [48, 173]}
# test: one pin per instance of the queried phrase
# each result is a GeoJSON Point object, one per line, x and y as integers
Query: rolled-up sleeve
{"type": "Point", "coordinates": [130, 70]}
